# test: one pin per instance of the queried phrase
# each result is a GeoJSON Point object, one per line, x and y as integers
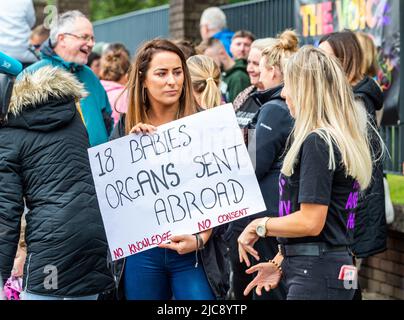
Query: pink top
{"type": "Point", "coordinates": [118, 106]}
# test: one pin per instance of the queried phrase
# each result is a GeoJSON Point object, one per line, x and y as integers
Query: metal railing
{"type": "Point", "coordinates": [393, 137]}
{"type": "Point", "coordinates": [265, 18]}
{"type": "Point", "coordinates": [256, 16]}
{"type": "Point", "coordinates": [134, 28]}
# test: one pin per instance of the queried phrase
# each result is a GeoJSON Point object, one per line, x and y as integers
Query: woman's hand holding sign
{"type": "Point", "coordinates": [185, 243]}
{"type": "Point", "coordinates": [143, 128]}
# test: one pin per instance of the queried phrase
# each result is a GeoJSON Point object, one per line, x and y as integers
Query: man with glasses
{"type": "Point", "coordinates": [70, 43]}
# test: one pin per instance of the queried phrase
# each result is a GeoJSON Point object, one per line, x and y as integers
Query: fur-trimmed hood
{"type": "Point", "coordinates": [44, 100]}
{"type": "Point", "coordinates": [45, 84]}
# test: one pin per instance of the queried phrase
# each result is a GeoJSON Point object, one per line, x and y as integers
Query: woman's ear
{"type": "Point", "coordinates": [274, 72]}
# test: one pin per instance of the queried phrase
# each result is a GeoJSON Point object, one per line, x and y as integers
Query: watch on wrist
{"type": "Point", "coordinates": [261, 228]}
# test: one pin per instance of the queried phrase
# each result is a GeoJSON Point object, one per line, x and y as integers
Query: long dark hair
{"type": "Point", "coordinates": [138, 105]}
{"type": "Point", "coordinates": [347, 49]}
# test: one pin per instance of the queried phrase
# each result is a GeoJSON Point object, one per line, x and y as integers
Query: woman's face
{"type": "Point", "coordinates": [268, 75]}
{"type": "Point", "coordinates": [325, 46]}
{"type": "Point", "coordinates": [164, 79]}
{"type": "Point", "coordinates": [253, 64]}
{"type": "Point", "coordinates": [285, 94]}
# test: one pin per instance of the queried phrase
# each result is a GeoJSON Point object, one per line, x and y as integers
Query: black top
{"type": "Point", "coordinates": [272, 125]}
{"type": "Point", "coordinates": [269, 129]}
{"type": "Point", "coordinates": [371, 94]}
{"type": "Point", "coordinates": [246, 111]}
{"type": "Point", "coordinates": [313, 182]}
{"type": "Point", "coordinates": [370, 235]}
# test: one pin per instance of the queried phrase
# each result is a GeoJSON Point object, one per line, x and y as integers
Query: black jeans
{"type": "Point", "coordinates": [316, 277]}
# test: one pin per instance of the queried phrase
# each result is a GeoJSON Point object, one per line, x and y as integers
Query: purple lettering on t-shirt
{"type": "Point", "coordinates": [284, 208]}
{"type": "Point", "coordinates": [282, 182]}
{"type": "Point", "coordinates": [351, 221]}
{"type": "Point", "coordinates": [352, 200]}
{"type": "Point", "coordinates": [351, 204]}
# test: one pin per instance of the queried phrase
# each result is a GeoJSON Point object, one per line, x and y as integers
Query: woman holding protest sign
{"type": "Point", "coordinates": [160, 91]}
{"type": "Point", "coordinates": [327, 164]}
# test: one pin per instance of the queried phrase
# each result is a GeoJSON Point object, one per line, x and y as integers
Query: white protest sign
{"type": "Point", "coordinates": [192, 174]}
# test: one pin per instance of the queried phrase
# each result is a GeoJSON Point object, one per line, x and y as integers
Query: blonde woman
{"type": "Point", "coordinates": [205, 76]}
{"type": "Point", "coordinates": [325, 168]}
{"type": "Point", "coordinates": [245, 104]}
{"type": "Point", "coordinates": [271, 126]}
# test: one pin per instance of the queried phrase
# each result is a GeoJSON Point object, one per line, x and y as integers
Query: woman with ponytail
{"type": "Point", "coordinates": [205, 76]}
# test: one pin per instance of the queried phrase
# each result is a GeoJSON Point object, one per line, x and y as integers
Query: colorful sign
{"type": "Point", "coordinates": [378, 18]}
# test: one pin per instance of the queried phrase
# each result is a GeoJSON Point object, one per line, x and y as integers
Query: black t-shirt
{"type": "Point", "coordinates": [313, 182]}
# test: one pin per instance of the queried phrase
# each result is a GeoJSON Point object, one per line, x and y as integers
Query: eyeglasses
{"type": "Point", "coordinates": [84, 37]}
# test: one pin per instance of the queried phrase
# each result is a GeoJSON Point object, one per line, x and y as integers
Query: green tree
{"type": "Point", "coordinates": [102, 9]}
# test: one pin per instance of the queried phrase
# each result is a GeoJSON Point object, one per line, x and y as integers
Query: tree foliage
{"type": "Point", "coordinates": [102, 9]}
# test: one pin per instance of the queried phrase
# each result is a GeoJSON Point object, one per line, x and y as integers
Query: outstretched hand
{"type": "Point", "coordinates": [246, 242]}
{"type": "Point", "coordinates": [268, 277]}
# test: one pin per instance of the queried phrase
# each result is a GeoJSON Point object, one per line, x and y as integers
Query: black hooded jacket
{"type": "Point", "coordinates": [370, 93]}
{"type": "Point", "coordinates": [272, 124]}
{"type": "Point", "coordinates": [44, 160]}
{"type": "Point", "coordinates": [370, 234]}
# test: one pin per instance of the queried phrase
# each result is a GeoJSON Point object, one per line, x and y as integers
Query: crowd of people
{"type": "Point", "coordinates": [309, 120]}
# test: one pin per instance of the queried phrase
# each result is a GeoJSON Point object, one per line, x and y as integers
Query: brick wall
{"type": "Point", "coordinates": [185, 16]}
{"type": "Point", "coordinates": [384, 273]}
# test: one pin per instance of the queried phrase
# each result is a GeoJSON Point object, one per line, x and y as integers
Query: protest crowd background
{"type": "Point", "coordinates": [316, 105]}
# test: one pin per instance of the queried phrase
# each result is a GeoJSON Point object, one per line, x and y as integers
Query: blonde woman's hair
{"type": "Point", "coordinates": [205, 76]}
{"type": "Point", "coordinates": [324, 104]}
{"type": "Point", "coordinates": [276, 55]}
{"type": "Point", "coordinates": [369, 65]}
{"type": "Point", "coordinates": [263, 43]}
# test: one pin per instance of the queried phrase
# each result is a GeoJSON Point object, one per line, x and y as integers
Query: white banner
{"type": "Point", "coordinates": [192, 174]}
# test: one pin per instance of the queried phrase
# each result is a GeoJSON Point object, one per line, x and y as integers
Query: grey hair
{"type": "Point", "coordinates": [214, 17]}
{"type": "Point", "coordinates": [64, 23]}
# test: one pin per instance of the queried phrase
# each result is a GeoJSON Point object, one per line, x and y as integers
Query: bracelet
{"type": "Point", "coordinates": [199, 242]}
{"type": "Point", "coordinates": [276, 265]}
{"type": "Point", "coordinates": [197, 249]}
